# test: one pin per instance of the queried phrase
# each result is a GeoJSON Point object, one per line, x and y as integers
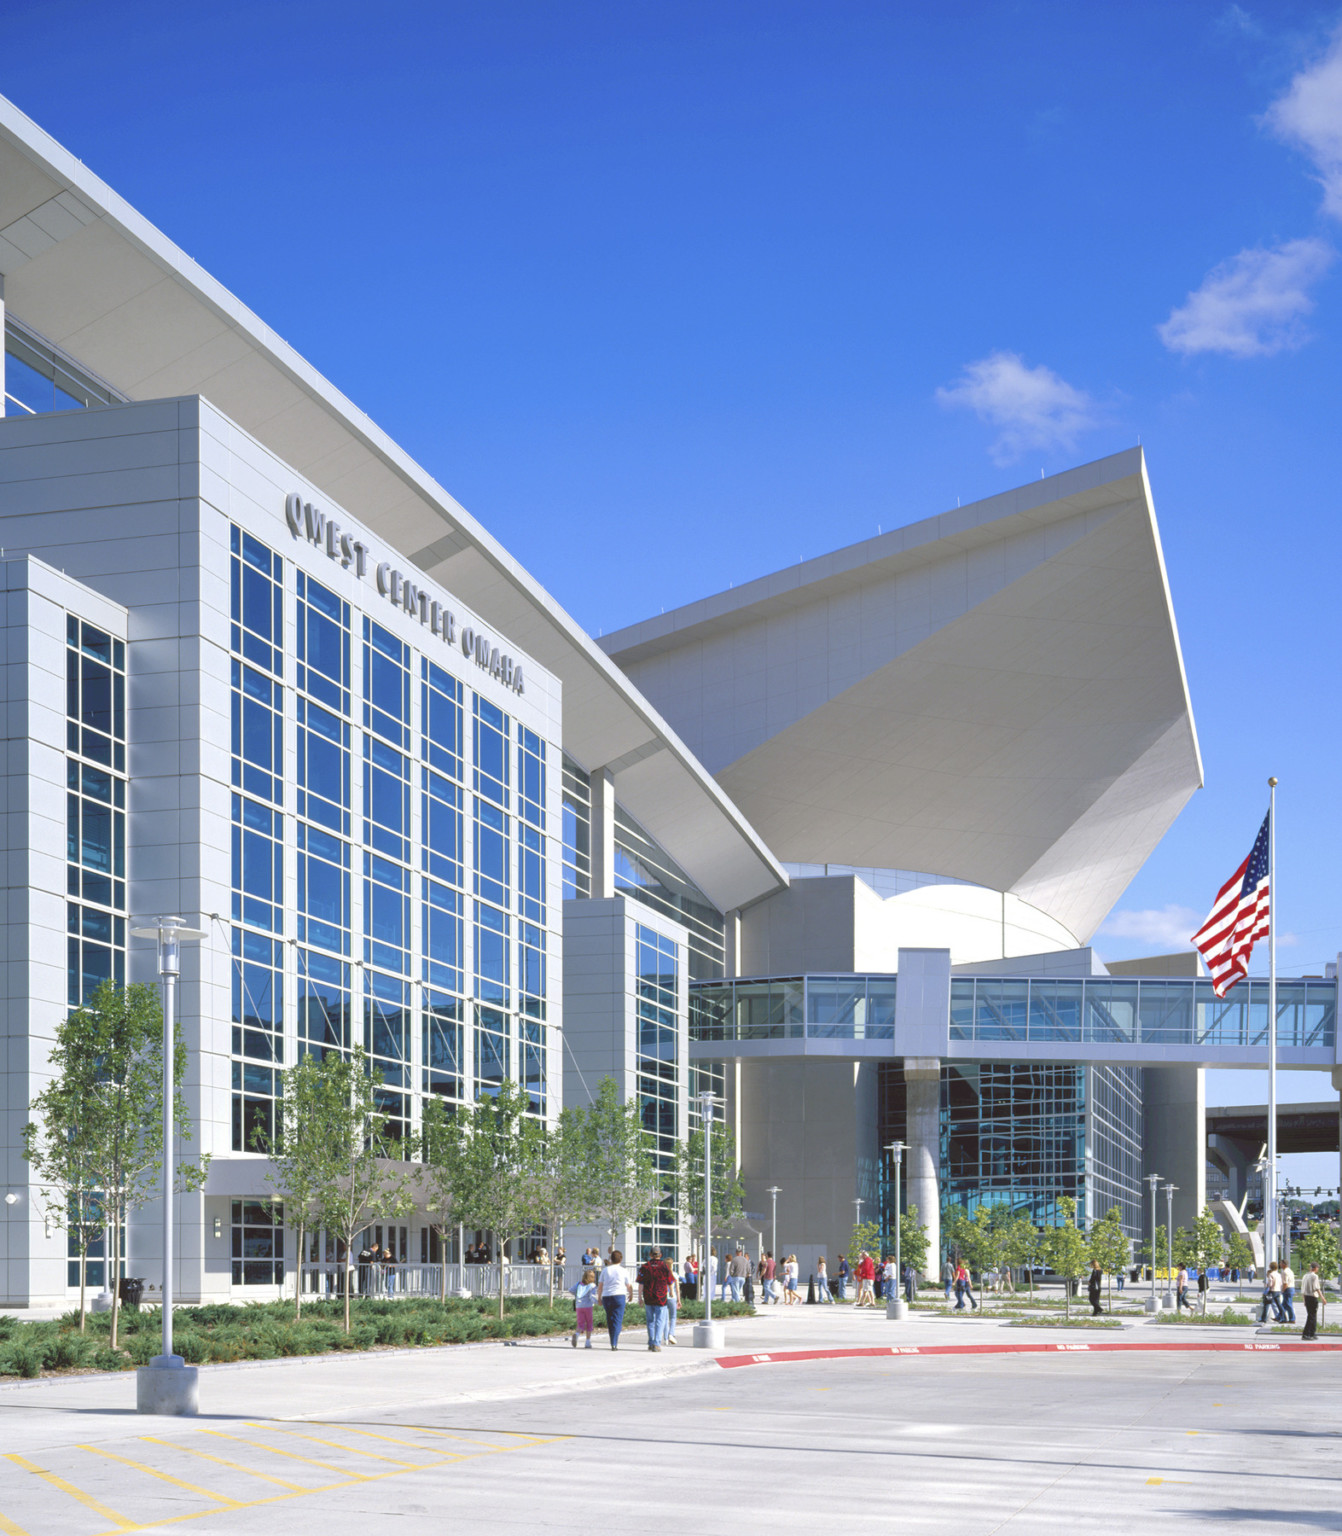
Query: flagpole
{"type": "Point", "coordinates": [1270, 1184]}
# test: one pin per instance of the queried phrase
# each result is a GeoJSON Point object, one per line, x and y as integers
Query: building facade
{"type": "Point", "coordinates": [265, 673]}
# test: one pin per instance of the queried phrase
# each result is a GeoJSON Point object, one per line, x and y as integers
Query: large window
{"type": "Point", "coordinates": [39, 377]}
{"type": "Point", "coordinates": [658, 982]}
{"type": "Point", "coordinates": [256, 593]}
{"type": "Point", "coordinates": [258, 1242]}
{"type": "Point", "coordinates": [95, 809]}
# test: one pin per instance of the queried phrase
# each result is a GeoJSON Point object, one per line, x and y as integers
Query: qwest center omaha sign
{"type": "Point", "coordinates": [321, 529]}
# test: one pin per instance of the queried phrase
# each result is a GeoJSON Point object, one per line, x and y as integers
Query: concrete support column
{"type": "Point", "coordinates": [1175, 1137]}
{"type": "Point", "coordinates": [922, 1076]}
{"type": "Point", "coordinates": [603, 834]}
{"type": "Point", "coordinates": [2, 343]}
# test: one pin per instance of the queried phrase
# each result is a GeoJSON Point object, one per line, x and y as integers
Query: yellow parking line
{"type": "Point", "coordinates": [86, 1499]}
{"type": "Point", "coordinates": [335, 1445]}
{"type": "Point", "coordinates": [354, 1477]}
{"type": "Point", "coordinates": [166, 1477]}
{"type": "Point", "coordinates": [466, 1439]}
{"type": "Point", "coordinates": [9, 1528]}
{"type": "Point", "coordinates": [396, 1440]}
{"type": "Point", "coordinates": [223, 1461]}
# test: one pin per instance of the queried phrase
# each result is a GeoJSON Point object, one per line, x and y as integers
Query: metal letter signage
{"type": "Point", "coordinates": [324, 533]}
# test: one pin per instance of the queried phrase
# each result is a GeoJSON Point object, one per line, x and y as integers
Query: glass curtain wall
{"type": "Point", "coordinates": [39, 377]}
{"type": "Point", "coordinates": [418, 827]}
{"type": "Point", "coordinates": [95, 781]}
{"type": "Point", "coordinates": [658, 1066]}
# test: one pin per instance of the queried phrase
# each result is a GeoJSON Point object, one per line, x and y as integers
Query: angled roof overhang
{"type": "Point", "coordinates": [995, 694]}
{"type": "Point", "coordinates": [87, 272]}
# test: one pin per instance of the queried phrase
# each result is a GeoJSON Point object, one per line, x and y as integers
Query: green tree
{"type": "Point", "coordinates": [866, 1238]}
{"type": "Point", "coordinates": [494, 1166]}
{"type": "Point", "coordinates": [620, 1181]}
{"type": "Point", "coordinates": [122, 1030]}
{"type": "Point", "coordinates": [913, 1240]}
{"type": "Point", "coordinates": [971, 1237]}
{"type": "Point", "coordinates": [60, 1144]}
{"type": "Point", "coordinates": [559, 1188]}
{"type": "Point", "coordinates": [1239, 1255]}
{"type": "Point", "coordinates": [1320, 1245]}
{"type": "Point", "coordinates": [364, 1177]}
{"type": "Point", "coordinates": [1020, 1246]}
{"type": "Point", "coordinates": [1160, 1258]}
{"type": "Point", "coordinates": [1066, 1249]}
{"type": "Point", "coordinates": [1185, 1248]}
{"type": "Point", "coordinates": [437, 1147]}
{"type": "Point", "coordinates": [729, 1196]}
{"type": "Point", "coordinates": [1109, 1246]}
{"type": "Point", "coordinates": [301, 1151]}
{"type": "Point", "coordinates": [1208, 1247]}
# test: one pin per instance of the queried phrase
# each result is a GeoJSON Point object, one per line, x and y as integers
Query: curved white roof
{"type": "Point", "coordinates": [82, 268]}
{"type": "Point", "coordinates": [995, 694]}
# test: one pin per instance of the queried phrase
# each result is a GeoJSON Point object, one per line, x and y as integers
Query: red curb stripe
{"type": "Point", "coordinates": [787, 1357]}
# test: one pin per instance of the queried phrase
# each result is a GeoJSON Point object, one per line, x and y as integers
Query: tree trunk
{"type": "Point", "coordinates": [83, 1280]}
{"type": "Point", "coordinates": [501, 1278]}
{"type": "Point", "coordinates": [298, 1275]}
{"type": "Point", "coordinates": [442, 1263]}
{"type": "Point", "coordinates": [349, 1272]}
{"type": "Point", "coordinates": [115, 1246]}
{"type": "Point", "coordinates": [1067, 1298]}
{"type": "Point", "coordinates": [1111, 1293]}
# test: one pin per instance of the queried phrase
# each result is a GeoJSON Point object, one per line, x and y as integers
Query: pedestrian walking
{"type": "Point", "coordinates": [655, 1279]}
{"type": "Point", "coordinates": [1093, 1285]}
{"type": "Point", "coordinates": [790, 1296]}
{"type": "Point", "coordinates": [672, 1308]}
{"type": "Point", "coordinates": [613, 1292]}
{"type": "Point", "coordinates": [910, 1281]}
{"type": "Point", "coordinates": [1181, 1290]}
{"type": "Point", "coordinates": [738, 1267]}
{"type": "Point", "coordinates": [822, 1281]}
{"type": "Point", "coordinates": [1271, 1294]}
{"type": "Point", "coordinates": [1287, 1292]}
{"type": "Point", "coordinates": [768, 1278]}
{"type": "Point", "coordinates": [689, 1278]}
{"type": "Point", "coordinates": [964, 1289]}
{"type": "Point", "coordinates": [948, 1275]}
{"type": "Point", "coordinates": [843, 1277]}
{"type": "Point", "coordinates": [866, 1280]}
{"type": "Point", "coordinates": [584, 1300]}
{"type": "Point", "coordinates": [889, 1277]}
{"type": "Point", "coordinates": [1311, 1293]}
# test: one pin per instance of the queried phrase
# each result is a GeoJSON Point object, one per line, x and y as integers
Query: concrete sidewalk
{"type": "Point", "coordinates": [334, 1385]}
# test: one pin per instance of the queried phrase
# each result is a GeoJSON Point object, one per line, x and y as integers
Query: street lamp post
{"type": "Point", "coordinates": [1154, 1304]}
{"type": "Point", "coordinates": [708, 1334]}
{"type": "Point", "coordinates": [1170, 1190]}
{"type": "Point", "coordinates": [167, 1384]}
{"type": "Point", "coordinates": [896, 1308]}
{"type": "Point", "coordinates": [773, 1192]}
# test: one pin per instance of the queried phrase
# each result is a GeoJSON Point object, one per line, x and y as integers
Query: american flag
{"type": "Point", "coordinates": [1239, 918]}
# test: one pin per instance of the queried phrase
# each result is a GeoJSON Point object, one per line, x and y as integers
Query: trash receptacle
{"type": "Point", "coordinates": [131, 1290]}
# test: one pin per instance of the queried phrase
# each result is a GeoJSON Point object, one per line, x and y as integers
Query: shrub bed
{"type": "Point", "coordinates": [221, 1332]}
{"type": "Point", "coordinates": [1226, 1319]}
{"type": "Point", "coordinates": [1063, 1322]}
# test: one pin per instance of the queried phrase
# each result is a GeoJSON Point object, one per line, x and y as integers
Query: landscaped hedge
{"type": "Point", "coordinates": [221, 1332]}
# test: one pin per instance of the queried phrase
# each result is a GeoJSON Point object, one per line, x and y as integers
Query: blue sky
{"type": "Point", "coordinates": [672, 295]}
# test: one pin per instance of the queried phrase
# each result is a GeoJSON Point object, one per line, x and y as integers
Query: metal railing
{"type": "Point", "coordinates": [393, 1282]}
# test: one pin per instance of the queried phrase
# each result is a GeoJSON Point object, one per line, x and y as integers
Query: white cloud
{"type": "Point", "coordinates": [1235, 21]}
{"type": "Point", "coordinates": [1309, 115]}
{"type": "Point", "coordinates": [1165, 929]}
{"type": "Point", "coordinates": [1033, 407]}
{"type": "Point", "coordinates": [1252, 305]}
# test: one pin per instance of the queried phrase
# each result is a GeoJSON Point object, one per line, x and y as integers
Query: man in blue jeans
{"type": "Point", "coordinates": [654, 1283]}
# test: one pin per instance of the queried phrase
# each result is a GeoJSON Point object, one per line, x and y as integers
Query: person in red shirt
{"type": "Point", "coordinates": [655, 1279]}
{"type": "Point", "coordinates": [866, 1276]}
